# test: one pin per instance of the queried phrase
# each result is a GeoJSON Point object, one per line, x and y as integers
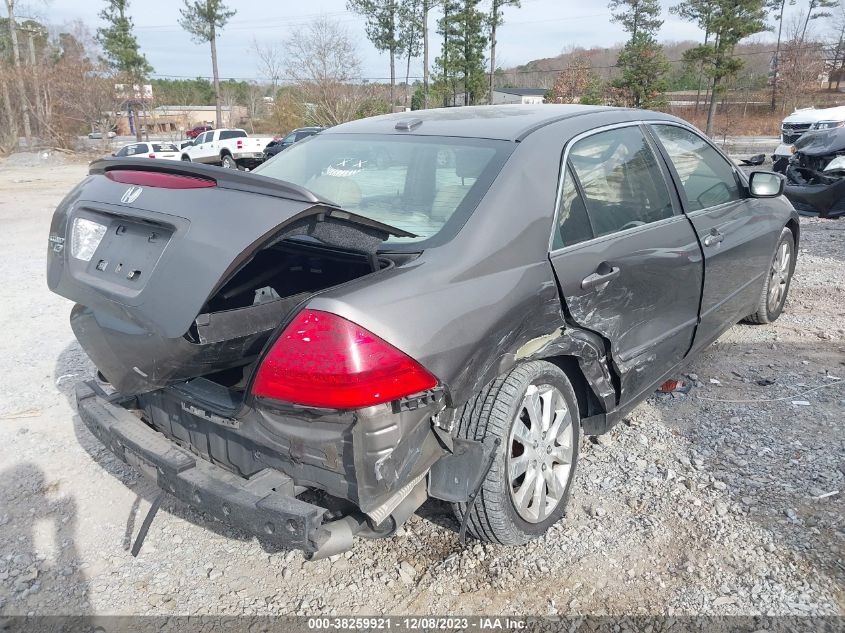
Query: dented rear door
{"type": "Point", "coordinates": [627, 261]}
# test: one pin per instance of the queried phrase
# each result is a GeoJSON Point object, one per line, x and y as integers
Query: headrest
{"type": "Point", "coordinates": [470, 162]}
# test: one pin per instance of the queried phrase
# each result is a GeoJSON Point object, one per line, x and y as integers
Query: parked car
{"type": "Point", "coordinates": [277, 145]}
{"type": "Point", "coordinates": [98, 135]}
{"type": "Point", "coordinates": [803, 120]}
{"type": "Point", "coordinates": [815, 173]}
{"type": "Point", "coordinates": [149, 150]}
{"type": "Point", "coordinates": [197, 130]}
{"type": "Point", "coordinates": [233, 149]}
{"type": "Point", "coordinates": [445, 328]}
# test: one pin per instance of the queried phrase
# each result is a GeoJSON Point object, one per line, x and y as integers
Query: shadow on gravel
{"type": "Point", "coordinates": [38, 540]}
{"type": "Point", "coordinates": [73, 366]}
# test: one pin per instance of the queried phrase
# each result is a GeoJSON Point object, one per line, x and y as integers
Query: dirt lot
{"type": "Point", "coordinates": [718, 502]}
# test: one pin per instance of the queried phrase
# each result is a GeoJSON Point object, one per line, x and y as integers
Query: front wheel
{"type": "Point", "coordinates": [534, 412]}
{"type": "Point", "coordinates": [773, 297]}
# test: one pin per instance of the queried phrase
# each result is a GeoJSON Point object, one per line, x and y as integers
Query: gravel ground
{"type": "Point", "coordinates": [728, 500]}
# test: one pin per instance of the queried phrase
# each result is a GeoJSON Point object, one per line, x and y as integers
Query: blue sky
{"type": "Point", "coordinates": [541, 28]}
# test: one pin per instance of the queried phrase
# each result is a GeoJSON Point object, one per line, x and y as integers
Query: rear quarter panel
{"type": "Point", "coordinates": [469, 309]}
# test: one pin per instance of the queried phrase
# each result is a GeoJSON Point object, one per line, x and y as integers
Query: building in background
{"type": "Point", "coordinates": [524, 96]}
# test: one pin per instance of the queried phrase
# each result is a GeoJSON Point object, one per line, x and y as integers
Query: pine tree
{"type": "Point", "coordinates": [461, 61]}
{"type": "Point", "coordinates": [700, 12]}
{"type": "Point", "coordinates": [730, 22]}
{"type": "Point", "coordinates": [120, 47]}
{"type": "Point", "coordinates": [636, 16]}
{"type": "Point", "coordinates": [382, 17]}
{"type": "Point", "coordinates": [410, 35]}
{"type": "Point", "coordinates": [496, 20]}
{"type": "Point", "coordinates": [642, 61]}
{"type": "Point", "coordinates": [202, 19]}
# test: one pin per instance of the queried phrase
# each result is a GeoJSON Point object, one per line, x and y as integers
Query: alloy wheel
{"type": "Point", "coordinates": [779, 276]}
{"type": "Point", "coordinates": [540, 451]}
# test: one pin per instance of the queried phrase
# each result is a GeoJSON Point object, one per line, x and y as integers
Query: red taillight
{"type": "Point", "coordinates": [323, 360]}
{"type": "Point", "coordinates": [151, 155]}
{"type": "Point", "coordinates": [158, 179]}
{"type": "Point", "coordinates": [240, 144]}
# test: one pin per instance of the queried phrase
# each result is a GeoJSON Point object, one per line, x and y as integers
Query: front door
{"type": "Point", "coordinates": [735, 231]}
{"type": "Point", "coordinates": [626, 258]}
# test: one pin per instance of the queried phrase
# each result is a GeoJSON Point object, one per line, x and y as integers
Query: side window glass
{"type": "Point", "coordinates": [290, 138]}
{"type": "Point", "coordinates": [123, 152]}
{"type": "Point", "coordinates": [706, 177]}
{"type": "Point", "coordinates": [131, 150]}
{"type": "Point", "coordinates": [621, 180]}
{"type": "Point", "coordinates": [202, 138]}
{"type": "Point", "coordinates": [573, 225]}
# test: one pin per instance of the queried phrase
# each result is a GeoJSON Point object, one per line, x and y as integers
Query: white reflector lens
{"type": "Point", "coordinates": [85, 236]}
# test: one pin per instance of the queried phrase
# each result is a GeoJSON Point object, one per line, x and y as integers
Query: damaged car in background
{"type": "Point", "coordinates": [815, 173]}
{"type": "Point", "coordinates": [311, 350]}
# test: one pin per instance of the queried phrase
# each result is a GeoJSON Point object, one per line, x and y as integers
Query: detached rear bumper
{"type": "Point", "coordinates": [263, 505]}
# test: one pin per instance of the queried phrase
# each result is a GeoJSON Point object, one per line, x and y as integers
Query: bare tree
{"type": "Point", "coordinates": [254, 103]}
{"type": "Point", "coordinates": [227, 101]}
{"type": "Point", "coordinates": [803, 62]}
{"type": "Point", "coordinates": [268, 57]}
{"type": "Point", "coordinates": [16, 61]}
{"type": "Point", "coordinates": [322, 59]}
{"type": "Point", "coordinates": [203, 19]}
{"type": "Point", "coordinates": [573, 81]}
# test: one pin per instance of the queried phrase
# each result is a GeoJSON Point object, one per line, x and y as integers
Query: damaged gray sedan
{"type": "Point", "coordinates": [815, 173]}
{"type": "Point", "coordinates": [422, 305]}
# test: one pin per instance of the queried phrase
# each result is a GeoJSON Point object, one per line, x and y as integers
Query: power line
{"type": "Point", "coordinates": [518, 72]}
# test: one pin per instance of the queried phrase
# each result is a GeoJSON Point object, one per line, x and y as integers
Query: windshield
{"type": "Point", "coordinates": [426, 185]}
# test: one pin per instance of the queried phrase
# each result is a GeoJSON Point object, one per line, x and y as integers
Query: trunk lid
{"type": "Point", "coordinates": [164, 253]}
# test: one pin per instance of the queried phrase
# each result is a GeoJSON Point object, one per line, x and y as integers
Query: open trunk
{"type": "Point", "coordinates": [193, 282]}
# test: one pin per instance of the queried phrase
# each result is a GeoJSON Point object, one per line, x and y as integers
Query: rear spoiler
{"type": "Point", "coordinates": [225, 178]}
{"type": "Point", "coordinates": [247, 182]}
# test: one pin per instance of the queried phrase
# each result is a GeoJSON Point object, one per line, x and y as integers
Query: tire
{"type": "Point", "coordinates": [228, 162]}
{"type": "Point", "coordinates": [186, 158]}
{"type": "Point", "coordinates": [771, 301]}
{"type": "Point", "coordinates": [495, 412]}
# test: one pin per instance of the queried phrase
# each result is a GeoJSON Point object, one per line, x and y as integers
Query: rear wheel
{"type": "Point", "coordinates": [773, 297]}
{"type": "Point", "coordinates": [533, 411]}
{"type": "Point", "coordinates": [228, 162]}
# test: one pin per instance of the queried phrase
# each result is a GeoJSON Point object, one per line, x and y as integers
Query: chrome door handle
{"type": "Point", "coordinates": [602, 275]}
{"type": "Point", "coordinates": [715, 237]}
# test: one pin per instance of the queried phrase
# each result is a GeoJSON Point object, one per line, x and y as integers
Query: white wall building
{"type": "Point", "coordinates": [524, 96]}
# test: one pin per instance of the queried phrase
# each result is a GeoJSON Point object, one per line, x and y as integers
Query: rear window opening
{"type": "Point", "coordinates": [250, 306]}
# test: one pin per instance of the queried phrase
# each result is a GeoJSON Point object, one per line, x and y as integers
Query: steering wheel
{"type": "Point", "coordinates": [631, 224]}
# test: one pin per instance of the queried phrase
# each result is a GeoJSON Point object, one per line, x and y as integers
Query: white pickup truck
{"type": "Point", "coordinates": [230, 148]}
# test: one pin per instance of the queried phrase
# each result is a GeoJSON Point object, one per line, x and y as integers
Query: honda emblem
{"type": "Point", "coordinates": [131, 194]}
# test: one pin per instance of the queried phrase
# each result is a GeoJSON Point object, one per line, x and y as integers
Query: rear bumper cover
{"type": "Point", "coordinates": [263, 505]}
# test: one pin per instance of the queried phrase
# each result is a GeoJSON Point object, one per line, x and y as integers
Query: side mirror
{"type": "Point", "coordinates": [765, 184]}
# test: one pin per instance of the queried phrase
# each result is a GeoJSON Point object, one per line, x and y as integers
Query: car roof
{"type": "Point", "coordinates": [506, 122]}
